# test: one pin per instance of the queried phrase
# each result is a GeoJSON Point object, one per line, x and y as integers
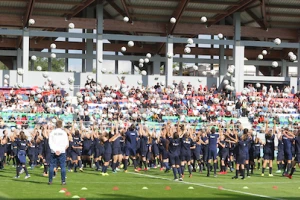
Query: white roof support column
{"type": "Point", "coordinates": [169, 61]}
{"type": "Point", "coordinates": [238, 53]}
{"type": "Point", "coordinates": [99, 41]}
{"type": "Point", "coordinates": [25, 57]}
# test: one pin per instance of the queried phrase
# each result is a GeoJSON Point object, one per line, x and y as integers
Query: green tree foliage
{"type": "Point", "coordinates": [3, 67]}
{"type": "Point", "coordinates": [58, 64]}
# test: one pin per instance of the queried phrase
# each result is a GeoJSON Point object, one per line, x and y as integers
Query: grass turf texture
{"type": "Point", "coordinates": [160, 186]}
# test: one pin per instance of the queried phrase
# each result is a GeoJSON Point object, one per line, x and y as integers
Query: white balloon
{"type": "Point", "coordinates": [140, 82]}
{"type": "Point", "coordinates": [53, 46]}
{"type": "Point", "coordinates": [230, 70]}
{"type": "Point", "coordinates": [39, 91]}
{"type": "Point", "coordinates": [136, 69]}
{"type": "Point", "coordinates": [195, 67]}
{"type": "Point", "coordinates": [162, 83]}
{"type": "Point", "coordinates": [293, 58]}
{"type": "Point", "coordinates": [173, 20]}
{"type": "Point", "coordinates": [264, 52]}
{"type": "Point", "coordinates": [39, 96]}
{"type": "Point", "coordinates": [213, 72]}
{"type": "Point", "coordinates": [20, 71]}
{"type": "Point", "coordinates": [53, 55]}
{"type": "Point", "coordinates": [123, 49]}
{"type": "Point", "coordinates": [124, 86]}
{"type": "Point", "coordinates": [227, 87]}
{"type": "Point", "coordinates": [187, 50]}
{"type": "Point", "coordinates": [258, 85]}
{"type": "Point", "coordinates": [170, 55]}
{"type": "Point", "coordinates": [226, 82]}
{"type": "Point", "coordinates": [141, 60]}
{"type": "Point", "coordinates": [203, 19]}
{"type": "Point", "coordinates": [190, 41]}
{"type": "Point", "coordinates": [228, 74]}
{"type": "Point", "coordinates": [39, 68]}
{"type": "Point", "coordinates": [244, 92]}
{"type": "Point", "coordinates": [31, 22]}
{"type": "Point", "coordinates": [89, 77]}
{"type": "Point", "coordinates": [220, 36]}
{"type": "Point", "coordinates": [277, 41]}
{"type": "Point", "coordinates": [274, 64]}
{"type": "Point", "coordinates": [33, 57]}
{"type": "Point", "coordinates": [216, 100]}
{"type": "Point", "coordinates": [70, 88]}
{"type": "Point", "coordinates": [141, 65]}
{"type": "Point", "coordinates": [103, 70]}
{"type": "Point", "coordinates": [113, 95]}
{"type": "Point", "coordinates": [71, 25]}
{"type": "Point", "coordinates": [144, 73]}
{"type": "Point", "coordinates": [32, 92]}
{"type": "Point", "coordinates": [146, 60]}
{"type": "Point", "coordinates": [148, 55]}
{"type": "Point", "coordinates": [5, 81]}
{"type": "Point", "coordinates": [126, 19]}
{"type": "Point", "coordinates": [233, 80]}
{"type": "Point", "coordinates": [286, 90]}
{"type": "Point", "coordinates": [49, 79]}
{"type": "Point", "coordinates": [6, 76]}
{"type": "Point", "coordinates": [199, 80]}
{"type": "Point", "coordinates": [63, 82]}
{"type": "Point", "coordinates": [71, 80]}
{"type": "Point", "coordinates": [123, 90]}
{"type": "Point", "coordinates": [290, 54]}
{"type": "Point", "coordinates": [231, 88]}
{"type": "Point", "coordinates": [78, 94]}
{"type": "Point", "coordinates": [260, 57]}
{"type": "Point", "coordinates": [130, 43]}
{"type": "Point", "coordinates": [176, 68]}
{"type": "Point", "coordinates": [204, 73]}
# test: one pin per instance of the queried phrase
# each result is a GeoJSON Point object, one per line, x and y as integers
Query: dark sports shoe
{"type": "Point", "coordinates": [49, 183]}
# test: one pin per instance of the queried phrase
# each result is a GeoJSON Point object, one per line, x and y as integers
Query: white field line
{"type": "Point", "coordinates": [207, 186]}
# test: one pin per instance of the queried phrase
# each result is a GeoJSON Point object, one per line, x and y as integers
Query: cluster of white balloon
{"type": "Point", "coordinates": [229, 78]}
{"type": "Point", "coordinates": [142, 61]}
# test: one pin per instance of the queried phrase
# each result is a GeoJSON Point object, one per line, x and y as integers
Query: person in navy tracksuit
{"type": "Point", "coordinates": [224, 153]}
{"type": "Point", "coordinates": [116, 147]}
{"type": "Point", "coordinates": [269, 148]}
{"type": "Point", "coordinates": [185, 152]}
{"type": "Point", "coordinates": [204, 149]}
{"type": "Point", "coordinates": [164, 145]}
{"type": "Point", "coordinates": [145, 138]}
{"type": "Point", "coordinates": [107, 153]}
{"type": "Point", "coordinates": [21, 152]}
{"type": "Point", "coordinates": [131, 145]}
{"type": "Point", "coordinates": [46, 151]}
{"type": "Point", "coordinates": [297, 152]}
{"type": "Point", "coordinates": [280, 154]}
{"type": "Point", "coordinates": [174, 151]}
{"type": "Point", "coordinates": [287, 138]}
{"type": "Point", "coordinates": [242, 145]}
{"type": "Point", "coordinates": [213, 139]}
{"type": "Point", "coordinates": [2, 152]}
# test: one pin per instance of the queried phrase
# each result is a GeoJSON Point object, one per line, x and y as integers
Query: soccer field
{"type": "Point", "coordinates": [152, 184]}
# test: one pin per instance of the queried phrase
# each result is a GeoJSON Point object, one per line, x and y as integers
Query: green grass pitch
{"type": "Point", "coordinates": [160, 186]}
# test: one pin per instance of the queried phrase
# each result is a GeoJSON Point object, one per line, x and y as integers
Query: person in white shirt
{"type": "Point", "coordinates": [58, 143]}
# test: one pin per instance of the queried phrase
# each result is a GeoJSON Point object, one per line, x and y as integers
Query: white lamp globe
{"type": "Point", "coordinates": [20, 71]}
{"type": "Point", "coordinates": [141, 65]}
{"type": "Point", "coordinates": [148, 55]}
{"type": "Point", "coordinates": [31, 22]}
{"type": "Point", "coordinates": [141, 60]}
{"type": "Point", "coordinates": [144, 73]}
{"type": "Point", "coordinates": [195, 68]}
{"type": "Point", "coordinates": [264, 52]}
{"type": "Point", "coordinates": [103, 70]}
{"type": "Point", "coordinates": [260, 57]}
{"type": "Point", "coordinates": [187, 50]}
{"type": "Point", "coordinates": [226, 82]}
{"type": "Point", "coordinates": [139, 82]}
{"type": "Point", "coordinates": [33, 57]}
{"type": "Point", "coordinates": [258, 85]}
{"type": "Point", "coordinates": [146, 60]}
{"type": "Point", "coordinates": [190, 41]}
{"type": "Point", "coordinates": [277, 41]}
{"type": "Point", "coordinates": [176, 68]}
{"type": "Point", "coordinates": [39, 68]}
{"type": "Point", "coordinates": [6, 76]}
{"type": "Point", "coordinates": [203, 19]}
{"type": "Point", "coordinates": [173, 20]}
{"type": "Point", "coordinates": [53, 46]}
{"type": "Point", "coordinates": [71, 25]}
{"type": "Point", "coordinates": [53, 55]}
{"type": "Point", "coordinates": [123, 49]}
{"type": "Point", "coordinates": [220, 36]}
{"type": "Point", "coordinates": [274, 64]}
{"type": "Point", "coordinates": [204, 73]}
{"type": "Point", "coordinates": [130, 43]}
{"type": "Point", "coordinates": [126, 19]}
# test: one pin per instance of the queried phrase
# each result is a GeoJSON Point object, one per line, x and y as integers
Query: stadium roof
{"type": "Point", "coordinates": [261, 20]}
